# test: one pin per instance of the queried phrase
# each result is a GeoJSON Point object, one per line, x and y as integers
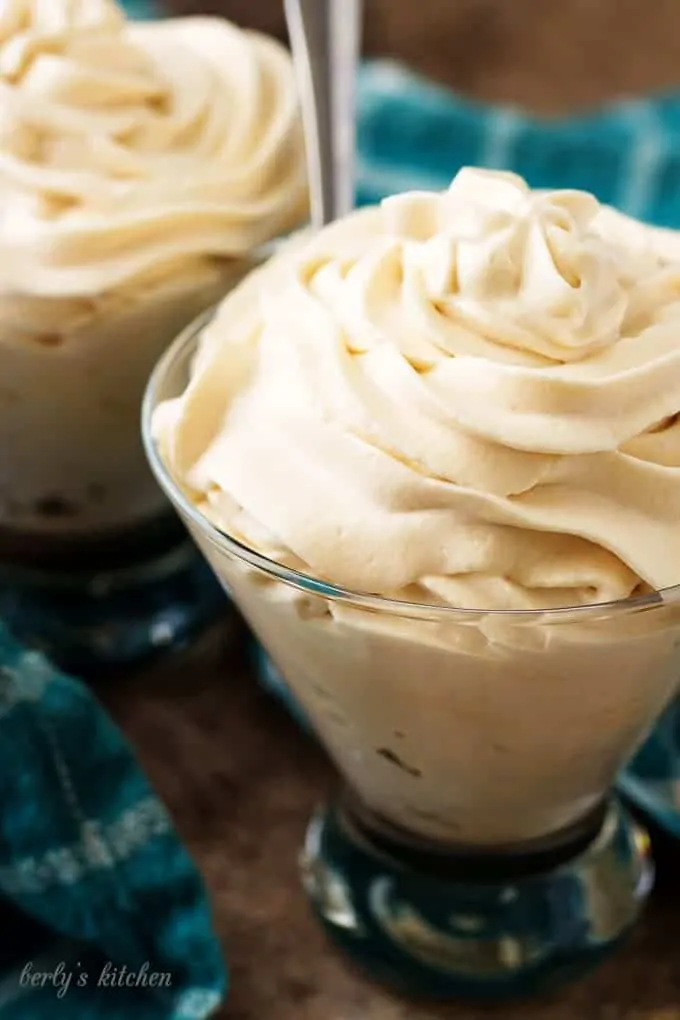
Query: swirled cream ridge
{"type": "Point", "coordinates": [126, 148]}
{"type": "Point", "coordinates": [468, 397]}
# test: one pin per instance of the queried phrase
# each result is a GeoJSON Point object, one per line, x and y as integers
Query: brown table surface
{"type": "Point", "coordinates": [240, 780]}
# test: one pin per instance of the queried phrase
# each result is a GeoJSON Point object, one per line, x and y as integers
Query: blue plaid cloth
{"type": "Point", "coordinates": [141, 9]}
{"type": "Point", "coordinates": [414, 134]}
{"type": "Point", "coordinates": [102, 912]}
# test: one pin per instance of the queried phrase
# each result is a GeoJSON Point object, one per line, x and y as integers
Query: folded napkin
{"type": "Point", "coordinates": [102, 911]}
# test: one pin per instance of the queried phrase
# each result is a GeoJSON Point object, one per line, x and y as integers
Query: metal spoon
{"type": "Point", "coordinates": [325, 37]}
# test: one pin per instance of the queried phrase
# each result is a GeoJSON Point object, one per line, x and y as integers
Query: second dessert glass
{"type": "Point", "coordinates": [477, 849]}
{"type": "Point", "coordinates": [145, 165]}
{"type": "Point", "coordinates": [94, 567]}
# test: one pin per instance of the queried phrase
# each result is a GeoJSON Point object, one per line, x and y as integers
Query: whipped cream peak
{"type": "Point", "coordinates": [525, 269]}
{"type": "Point", "coordinates": [33, 28]}
{"type": "Point", "coordinates": [470, 395]}
{"type": "Point", "coordinates": [36, 18]}
{"type": "Point", "coordinates": [128, 146]}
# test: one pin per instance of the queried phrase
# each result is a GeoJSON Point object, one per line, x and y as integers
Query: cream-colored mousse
{"type": "Point", "coordinates": [140, 164]}
{"type": "Point", "coordinates": [466, 399]}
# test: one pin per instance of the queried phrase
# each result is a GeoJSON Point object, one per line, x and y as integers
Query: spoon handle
{"type": "Point", "coordinates": [325, 37]}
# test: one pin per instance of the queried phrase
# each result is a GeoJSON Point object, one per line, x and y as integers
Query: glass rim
{"type": "Point", "coordinates": [185, 344]}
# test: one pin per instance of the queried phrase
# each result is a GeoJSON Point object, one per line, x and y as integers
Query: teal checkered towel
{"type": "Point", "coordinates": [102, 912]}
{"type": "Point", "coordinates": [414, 134]}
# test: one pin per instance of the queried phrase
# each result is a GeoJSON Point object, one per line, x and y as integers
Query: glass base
{"type": "Point", "coordinates": [475, 925]}
{"type": "Point", "coordinates": [97, 622]}
{"type": "Point", "coordinates": [652, 780]}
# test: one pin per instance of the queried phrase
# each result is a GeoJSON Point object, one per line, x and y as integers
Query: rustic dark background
{"type": "Point", "coordinates": [545, 54]}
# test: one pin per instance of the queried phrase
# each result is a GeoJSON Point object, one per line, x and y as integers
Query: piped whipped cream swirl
{"type": "Point", "coordinates": [469, 397]}
{"type": "Point", "coordinates": [126, 147]}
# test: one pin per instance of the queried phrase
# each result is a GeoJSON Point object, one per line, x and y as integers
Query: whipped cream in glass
{"type": "Point", "coordinates": [466, 400]}
{"type": "Point", "coordinates": [140, 164]}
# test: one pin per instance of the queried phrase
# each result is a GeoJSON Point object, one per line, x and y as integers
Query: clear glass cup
{"type": "Point", "coordinates": [95, 568]}
{"type": "Point", "coordinates": [477, 848]}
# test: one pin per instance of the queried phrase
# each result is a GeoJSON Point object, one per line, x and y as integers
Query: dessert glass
{"type": "Point", "coordinates": [477, 849]}
{"type": "Point", "coordinates": [95, 568]}
{"type": "Point", "coordinates": [144, 166]}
